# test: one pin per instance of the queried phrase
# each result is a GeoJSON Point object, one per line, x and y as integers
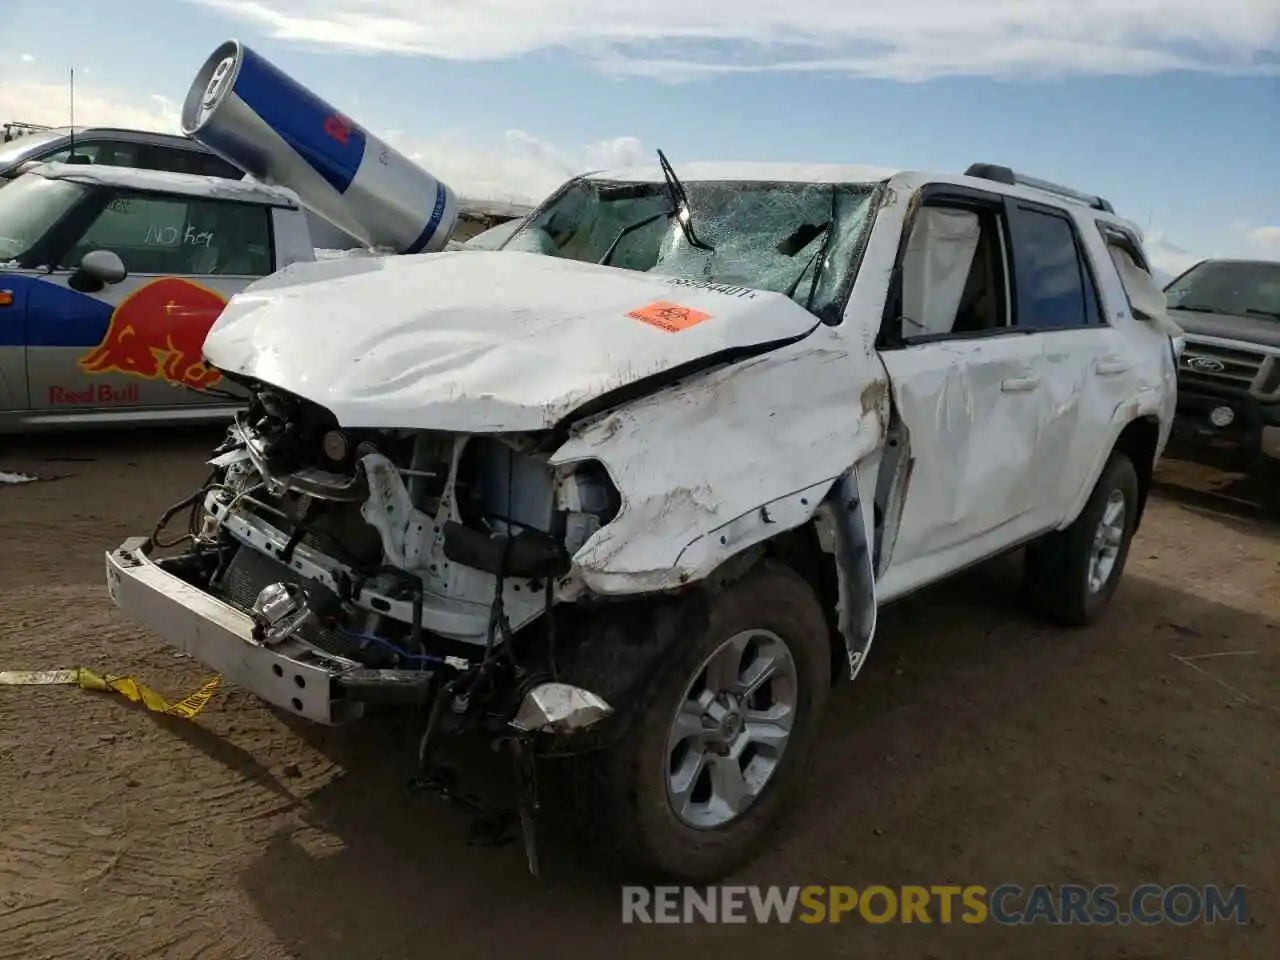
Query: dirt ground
{"type": "Point", "coordinates": [979, 746]}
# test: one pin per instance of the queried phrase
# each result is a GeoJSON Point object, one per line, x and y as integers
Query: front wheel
{"type": "Point", "coordinates": [1071, 574]}
{"type": "Point", "coordinates": [724, 734]}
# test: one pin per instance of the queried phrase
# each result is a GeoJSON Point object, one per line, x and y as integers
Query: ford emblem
{"type": "Point", "coordinates": [1206, 364]}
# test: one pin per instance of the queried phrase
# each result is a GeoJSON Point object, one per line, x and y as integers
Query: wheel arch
{"type": "Point", "coordinates": [1139, 439]}
{"type": "Point", "coordinates": [833, 552]}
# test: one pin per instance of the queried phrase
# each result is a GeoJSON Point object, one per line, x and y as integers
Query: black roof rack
{"type": "Point", "coordinates": [18, 128]}
{"type": "Point", "coordinates": [999, 174]}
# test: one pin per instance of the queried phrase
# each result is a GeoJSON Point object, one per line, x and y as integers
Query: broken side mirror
{"type": "Point", "coordinates": [97, 269]}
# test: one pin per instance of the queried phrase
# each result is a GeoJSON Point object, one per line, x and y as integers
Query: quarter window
{"type": "Point", "coordinates": [177, 235]}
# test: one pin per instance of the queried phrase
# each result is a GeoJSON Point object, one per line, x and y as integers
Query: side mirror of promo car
{"type": "Point", "coordinates": [97, 269]}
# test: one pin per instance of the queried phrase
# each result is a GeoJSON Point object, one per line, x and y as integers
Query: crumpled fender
{"type": "Point", "coordinates": [710, 466]}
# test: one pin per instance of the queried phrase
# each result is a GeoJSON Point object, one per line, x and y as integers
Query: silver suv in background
{"type": "Point", "coordinates": [27, 144]}
{"type": "Point", "coordinates": [110, 146]}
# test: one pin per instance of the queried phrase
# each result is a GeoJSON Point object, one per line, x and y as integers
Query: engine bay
{"type": "Point", "coordinates": [397, 549]}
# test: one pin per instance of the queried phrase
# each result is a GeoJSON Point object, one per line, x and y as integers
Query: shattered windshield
{"type": "Point", "coordinates": [797, 239]}
{"type": "Point", "coordinates": [1250, 289]}
{"type": "Point", "coordinates": [29, 206]}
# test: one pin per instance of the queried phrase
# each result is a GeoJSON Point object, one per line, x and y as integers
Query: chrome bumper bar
{"type": "Point", "coordinates": [293, 675]}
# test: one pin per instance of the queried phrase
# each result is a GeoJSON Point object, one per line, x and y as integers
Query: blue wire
{"type": "Point", "coordinates": [416, 658]}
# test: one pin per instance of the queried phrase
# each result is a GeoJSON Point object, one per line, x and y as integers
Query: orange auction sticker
{"type": "Point", "coordinates": [669, 316]}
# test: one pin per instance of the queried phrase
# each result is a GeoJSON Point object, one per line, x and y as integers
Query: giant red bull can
{"type": "Point", "coordinates": [253, 115]}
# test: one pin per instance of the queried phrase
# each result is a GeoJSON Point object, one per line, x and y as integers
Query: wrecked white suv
{"type": "Point", "coordinates": [626, 493]}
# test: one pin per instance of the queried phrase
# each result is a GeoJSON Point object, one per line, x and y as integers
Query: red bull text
{"type": "Point", "coordinates": [158, 331]}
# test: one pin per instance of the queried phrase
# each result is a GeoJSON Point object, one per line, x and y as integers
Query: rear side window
{"type": "Point", "coordinates": [208, 165]}
{"type": "Point", "coordinates": [176, 160]}
{"type": "Point", "coordinates": [1054, 286]}
{"type": "Point", "coordinates": [100, 153]}
{"type": "Point", "coordinates": [168, 159]}
{"type": "Point", "coordinates": [183, 236]}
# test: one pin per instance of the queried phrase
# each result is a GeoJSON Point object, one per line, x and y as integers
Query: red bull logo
{"type": "Point", "coordinates": [338, 127]}
{"type": "Point", "coordinates": [158, 331]}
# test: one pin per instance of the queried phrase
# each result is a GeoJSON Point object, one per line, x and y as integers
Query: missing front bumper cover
{"type": "Point", "coordinates": [289, 673]}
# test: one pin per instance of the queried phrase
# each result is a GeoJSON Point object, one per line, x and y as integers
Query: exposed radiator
{"type": "Point", "coordinates": [251, 571]}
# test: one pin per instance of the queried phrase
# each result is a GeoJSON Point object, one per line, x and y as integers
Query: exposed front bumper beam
{"type": "Point", "coordinates": [292, 675]}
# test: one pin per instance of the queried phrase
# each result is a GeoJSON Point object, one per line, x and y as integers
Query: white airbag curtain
{"type": "Point", "coordinates": [935, 268]}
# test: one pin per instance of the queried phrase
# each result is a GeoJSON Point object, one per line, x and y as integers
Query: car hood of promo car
{"type": "Point", "coordinates": [483, 341]}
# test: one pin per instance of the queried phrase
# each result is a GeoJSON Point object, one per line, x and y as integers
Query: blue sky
{"type": "Point", "coordinates": [1169, 109]}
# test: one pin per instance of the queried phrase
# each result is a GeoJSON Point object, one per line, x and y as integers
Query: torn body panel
{"type": "Point", "coordinates": [708, 467]}
{"type": "Point", "coordinates": [844, 524]}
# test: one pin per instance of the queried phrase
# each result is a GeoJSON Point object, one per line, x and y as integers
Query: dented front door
{"type": "Point", "coordinates": [971, 410]}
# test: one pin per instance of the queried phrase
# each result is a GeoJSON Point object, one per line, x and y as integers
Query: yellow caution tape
{"type": "Point", "coordinates": [127, 687]}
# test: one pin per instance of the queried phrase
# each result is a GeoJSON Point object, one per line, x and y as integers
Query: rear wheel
{"type": "Point", "coordinates": [724, 734]}
{"type": "Point", "coordinates": [1071, 574]}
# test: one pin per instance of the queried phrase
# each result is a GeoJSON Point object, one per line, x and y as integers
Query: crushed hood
{"type": "Point", "coordinates": [480, 340]}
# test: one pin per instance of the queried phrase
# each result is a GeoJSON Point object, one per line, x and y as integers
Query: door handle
{"type": "Point", "coordinates": [1110, 366]}
{"type": "Point", "coordinates": [1019, 384]}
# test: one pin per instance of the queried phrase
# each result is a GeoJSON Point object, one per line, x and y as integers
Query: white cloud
{"type": "Point", "coordinates": [27, 58]}
{"type": "Point", "coordinates": [1266, 239]}
{"type": "Point", "coordinates": [904, 40]}
{"type": "Point", "coordinates": [36, 100]}
{"type": "Point", "coordinates": [517, 167]}
{"type": "Point", "coordinates": [1168, 259]}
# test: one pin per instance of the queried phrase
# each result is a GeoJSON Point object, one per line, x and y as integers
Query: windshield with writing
{"type": "Point", "coordinates": [798, 239]}
{"type": "Point", "coordinates": [1250, 289]}
{"type": "Point", "coordinates": [29, 207]}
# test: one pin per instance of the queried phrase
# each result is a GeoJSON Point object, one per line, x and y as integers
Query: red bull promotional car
{"type": "Point", "coordinates": [110, 278]}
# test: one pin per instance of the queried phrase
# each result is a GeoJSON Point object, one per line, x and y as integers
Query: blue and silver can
{"type": "Point", "coordinates": [253, 115]}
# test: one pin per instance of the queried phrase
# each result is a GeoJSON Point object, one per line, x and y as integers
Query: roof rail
{"type": "Point", "coordinates": [17, 128]}
{"type": "Point", "coordinates": [999, 174]}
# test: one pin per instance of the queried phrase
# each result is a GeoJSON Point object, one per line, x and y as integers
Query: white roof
{"type": "Point", "coordinates": [182, 184]}
{"type": "Point", "coordinates": [775, 172]}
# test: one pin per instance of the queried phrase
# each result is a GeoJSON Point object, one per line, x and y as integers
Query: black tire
{"type": "Point", "coordinates": [1057, 566]}
{"type": "Point", "coordinates": [620, 799]}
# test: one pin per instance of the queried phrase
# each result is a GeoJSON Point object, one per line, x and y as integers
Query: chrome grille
{"type": "Point", "coordinates": [1211, 362]}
